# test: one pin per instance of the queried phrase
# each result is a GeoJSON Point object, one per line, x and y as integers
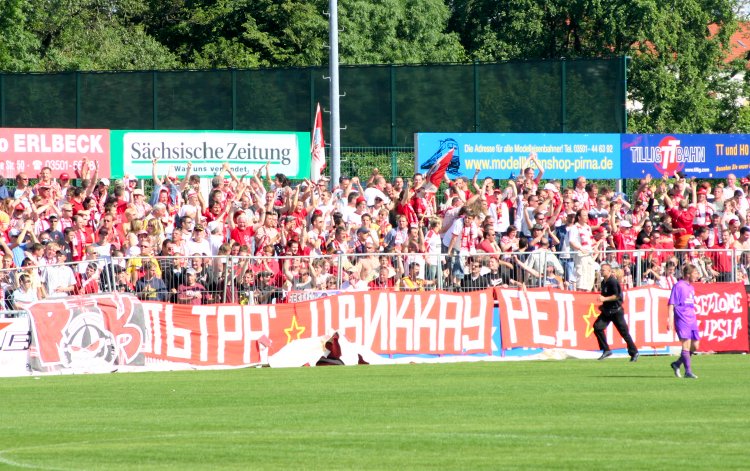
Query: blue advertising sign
{"type": "Point", "coordinates": [563, 156]}
{"type": "Point", "coordinates": [695, 155]}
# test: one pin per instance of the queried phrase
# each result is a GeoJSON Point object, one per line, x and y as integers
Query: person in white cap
{"type": "Point", "coordinates": [190, 291]}
{"type": "Point", "coordinates": [138, 202]}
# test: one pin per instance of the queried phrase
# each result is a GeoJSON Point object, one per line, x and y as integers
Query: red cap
{"type": "Point", "coordinates": [64, 176]}
{"type": "Point", "coordinates": [361, 199]}
{"type": "Point", "coordinates": [20, 207]}
{"type": "Point", "coordinates": [702, 191]}
{"type": "Point", "coordinates": [745, 181]}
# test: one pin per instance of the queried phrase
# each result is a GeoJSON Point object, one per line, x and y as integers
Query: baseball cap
{"type": "Point", "coordinates": [537, 227]}
{"type": "Point", "coordinates": [625, 223]}
{"type": "Point", "coordinates": [138, 191]}
{"type": "Point", "coordinates": [363, 230]}
{"type": "Point", "coordinates": [20, 207]}
{"type": "Point", "coordinates": [702, 191]}
{"type": "Point", "coordinates": [104, 181]}
{"type": "Point", "coordinates": [64, 176]}
{"type": "Point", "coordinates": [190, 271]}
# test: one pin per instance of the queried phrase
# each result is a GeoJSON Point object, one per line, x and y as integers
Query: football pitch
{"type": "Point", "coordinates": [572, 414]}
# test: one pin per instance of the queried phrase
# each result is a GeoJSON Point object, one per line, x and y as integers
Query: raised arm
{"type": "Point", "coordinates": [474, 181]}
{"type": "Point", "coordinates": [186, 180]}
{"type": "Point", "coordinates": [154, 176]}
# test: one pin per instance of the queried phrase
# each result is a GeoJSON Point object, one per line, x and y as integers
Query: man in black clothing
{"type": "Point", "coordinates": [611, 308]}
{"type": "Point", "coordinates": [474, 280]}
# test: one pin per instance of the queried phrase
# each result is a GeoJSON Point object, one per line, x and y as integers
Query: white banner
{"type": "Point", "coordinates": [244, 151]}
{"type": "Point", "coordinates": [14, 346]}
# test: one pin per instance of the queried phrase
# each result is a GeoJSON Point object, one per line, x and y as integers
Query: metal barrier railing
{"type": "Point", "coordinates": [264, 280]}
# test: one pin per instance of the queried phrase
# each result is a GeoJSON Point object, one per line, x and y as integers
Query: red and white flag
{"type": "Point", "coordinates": [435, 174]}
{"type": "Point", "coordinates": [318, 148]}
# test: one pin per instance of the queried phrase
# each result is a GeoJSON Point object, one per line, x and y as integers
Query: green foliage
{"type": "Point", "coordinates": [396, 31]}
{"type": "Point", "coordinates": [17, 43]}
{"type": "Point", "coordinates": [242, 33]}
{"type": "Point", "coordinates": [572, 414]}
{"type": "Point", "coordinates": [93, 35]}
{"type": "Point", "coordinates": [676, 73]}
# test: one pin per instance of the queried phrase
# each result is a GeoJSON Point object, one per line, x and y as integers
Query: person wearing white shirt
{"type": "Point", "coordinates": [60, 280]}
{"type": "Point", "coordinates": [198, 245]}
{"type": "Point", "coordinates": [25, 292]}
{"type": "Point", "coordinates": [731, 187]}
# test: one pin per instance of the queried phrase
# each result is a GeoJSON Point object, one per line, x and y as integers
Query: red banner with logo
{"type": "Point", "coordinates": [547, 318]}
{"type": "Point", "coordinates": [86, 333]}
{"type": "Point", "coordinates": [29, 150]}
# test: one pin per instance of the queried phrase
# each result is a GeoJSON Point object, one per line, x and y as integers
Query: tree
{"type": "Point", "coordinates": [17, 44]}
{"type": "Point", "coordinates": [676, 68]}
{"type": "Point", "coordinates": [396, 32]}
{"type": "Point", "coordinates": [243, 33]}
{"type": "Point", "coordinates": [93, 35]}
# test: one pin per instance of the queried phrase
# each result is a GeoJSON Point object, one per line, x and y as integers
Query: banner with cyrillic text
{"type": "Point", "coordinates": [384, 322]}
{"type": "Point", "coordinates": [547, 318]}
{"type": "Point", "coordinates": [29, 150]}
{"type": "Point", "coordinates": [133, 152]}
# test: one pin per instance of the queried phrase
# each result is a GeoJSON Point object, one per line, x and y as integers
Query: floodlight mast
{"type": "Point", "coordinates": [333, 37]}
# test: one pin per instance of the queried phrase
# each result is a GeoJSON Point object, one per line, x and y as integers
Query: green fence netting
{"type": "Point", "coordinates": [380, 106]}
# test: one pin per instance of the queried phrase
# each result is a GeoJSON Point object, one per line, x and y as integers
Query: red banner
{"type": "Point", "coordinates": [384, 322]}
{"type": "Point", "coordinates": [29, 150]}
{"type": "Point", "coordinates": [722, 316]}
{"type": "Point", "coordinates": [107, 331]}
{"type": "Point", "coordinates": [547, 318]}
{"type": "Point", "coordinates": [86, 332]}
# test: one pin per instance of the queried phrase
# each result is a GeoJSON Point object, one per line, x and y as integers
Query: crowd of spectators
{"type": "Point", "coordinates": [257, 238]}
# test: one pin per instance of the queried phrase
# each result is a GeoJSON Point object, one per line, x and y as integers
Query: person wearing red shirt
{"type": "Point", "coordinates": [75, 198]}
{"type": "Point", "coordinates": [405, 209]}
{"type": "Point", "coordinates": [85, 230]}
{"type": "Point", "coordinates": [723, 257]}
{"type": "Point", "coordinates": [90, 280]}
{"type": "Point", "coordinates": [215, 212]}
{"type": "Point", "coordinates": [682, 218]}
{"type": "Point", "coordinates": [384, 280]}
{"type": "Point", "coordinates": [624, 237]}
{"type": "Point", "coordinates": [663, 243]}
{"type": "Point", "coordinates": [241, 231]}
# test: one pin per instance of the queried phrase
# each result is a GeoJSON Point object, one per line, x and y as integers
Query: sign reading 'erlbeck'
{"type": "Point", "coordinates": [29, 150]}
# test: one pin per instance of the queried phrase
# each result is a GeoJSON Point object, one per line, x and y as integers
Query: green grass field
{"type": "Point", "coordinates": [571, 414]}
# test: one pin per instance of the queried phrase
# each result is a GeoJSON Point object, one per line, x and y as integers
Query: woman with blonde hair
{"type": "Point", "coordinates": [134, 227]}
{"type": "Point", "coordinates": [155, 231]}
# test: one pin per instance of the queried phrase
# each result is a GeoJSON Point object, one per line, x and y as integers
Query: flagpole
{"type": "Point", "coordinates": [334, 92]}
